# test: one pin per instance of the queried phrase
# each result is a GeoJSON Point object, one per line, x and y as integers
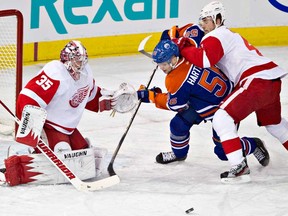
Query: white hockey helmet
{"type": "Point", "coordinates": [74, 57]}
{"type": "Point", "coordinates": [212, 10]}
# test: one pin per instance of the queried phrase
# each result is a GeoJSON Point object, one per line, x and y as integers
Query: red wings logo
{"type": "Point", "coordinates": [79, 96]}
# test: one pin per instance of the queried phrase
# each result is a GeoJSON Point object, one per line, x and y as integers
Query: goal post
{"type": "Point", "coordinates": [11, 64]}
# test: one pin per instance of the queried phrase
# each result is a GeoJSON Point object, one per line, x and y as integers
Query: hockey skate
{"type": "Point", "coordinates": [237, 174]}
{"type": "Point", "coordinates": [168, 157]}
{"type": "Point", "coordinates": [2, 176]}
{"type": "Point", "coordinates": [261, 153]}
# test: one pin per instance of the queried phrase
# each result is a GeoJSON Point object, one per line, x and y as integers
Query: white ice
{"type": "Point", "coordinates": [148, 188]}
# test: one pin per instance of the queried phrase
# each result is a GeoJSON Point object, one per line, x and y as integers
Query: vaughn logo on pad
{"type": "Point", "coordinates": [31, 125]}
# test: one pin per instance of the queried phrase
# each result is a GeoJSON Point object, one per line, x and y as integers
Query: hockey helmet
{"type": "Point", "coordinates": [164, 51]}
{"type": "Point", "coordinates": [74, 57]}
{"type": "Point", "coordinates": [212, 10]}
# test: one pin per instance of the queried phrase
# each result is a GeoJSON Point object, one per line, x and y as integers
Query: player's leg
{"type": "Point", "coordinates": [179, 136]}
{"type": "Point", "coordinates": [56, 140]}
{"type": "Point", "coordinates": [36, 168]}
{"type": "Point", "coordinates": [270, 116]}
{"type": "Point", "coordinates": [250, 145]}
{"type": "Point", "coordinates": [252, 96]}
{"type": "Point", "coordinates": [77, 141]}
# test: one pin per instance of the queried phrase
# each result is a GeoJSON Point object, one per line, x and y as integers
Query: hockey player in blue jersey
{"type": "Point", "coordinates": [194, 94]}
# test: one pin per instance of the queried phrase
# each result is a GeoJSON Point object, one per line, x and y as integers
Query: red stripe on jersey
{"type": "Point", "coordinates": [258, 68]}
{"type": "Point", "coordinates": [57, 125]}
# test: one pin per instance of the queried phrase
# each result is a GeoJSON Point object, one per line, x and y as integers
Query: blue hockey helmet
{"type": "Point", "coordinates": [164, 51]}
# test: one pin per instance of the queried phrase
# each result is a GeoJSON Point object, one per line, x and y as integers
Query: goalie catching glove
{"type": "Point", "coordinates": [148, 95]}
{"type": "Point", "coordinates": [123, 100]}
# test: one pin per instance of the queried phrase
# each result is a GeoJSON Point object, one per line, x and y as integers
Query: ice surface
{"type": "Point", "coordinates": [148, 188]}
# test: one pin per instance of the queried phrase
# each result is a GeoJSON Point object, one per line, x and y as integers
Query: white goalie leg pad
{"type": "Point", "coordinates": [19, 149]}
{"type": "Point", "coordinates": [41, 171]}
{"type": "Point", "coordinates": [81, 162]}
{"type": "Point", "coordinates": [31, 125]}
{"type": "Point", "coordinates": [99, 154]}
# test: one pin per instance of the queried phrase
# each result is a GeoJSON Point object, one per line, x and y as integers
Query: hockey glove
{"type": "Point", "coordinates": [105, 101]}
{"type": "Point", "coordinates": [182, 42]}
{"type": "Point", "coordinates": [148, 95]}
{"type": "Point", "coordinates": [173, 32]}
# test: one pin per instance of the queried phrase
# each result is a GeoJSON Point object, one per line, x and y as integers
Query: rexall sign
{"type": "Point", "coordinates": [83, 12]}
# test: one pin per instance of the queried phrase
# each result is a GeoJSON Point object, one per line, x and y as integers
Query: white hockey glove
{"type": "Point", "coordinates": [125, 99]}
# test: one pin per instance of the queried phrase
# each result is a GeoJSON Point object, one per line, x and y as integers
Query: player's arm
{"type": "Point", "coordinates": [93, 101]}
{"type": "Point", "coordinates": [153, 95]}
{"type": "Point", "coordinates": [174, 32]}
{"type": "Point", "coordinates": [100, 99]}
{"type": "Point", "coordinates": [39, 91]}
{"type": "Point", "coordinates": [207, 55]}
{"type": "Point", "coordinates": [178, 91]}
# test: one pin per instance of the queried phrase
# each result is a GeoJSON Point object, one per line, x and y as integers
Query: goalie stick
{"type": "Point", "coordinates": [70, 176]}
{"type": "Point", "coordinates": [110, 166]}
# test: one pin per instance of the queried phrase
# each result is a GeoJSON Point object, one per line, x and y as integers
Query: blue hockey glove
{"type": "Point", "coordinates": [148, 95]}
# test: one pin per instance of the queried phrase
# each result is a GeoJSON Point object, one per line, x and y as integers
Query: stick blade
{"type": "Point", "coordinates": [141, 47]}
{"type": "Point", "coordinates": [97, 185]}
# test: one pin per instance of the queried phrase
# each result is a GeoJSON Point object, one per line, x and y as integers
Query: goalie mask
{"type": "Point", "coordinates": [74, 57]}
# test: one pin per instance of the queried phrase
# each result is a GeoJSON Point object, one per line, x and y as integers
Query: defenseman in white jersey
{"type": "Point", "coordinates": [64, 88]}
{"type": "Point", "coordinates": [257, 80]}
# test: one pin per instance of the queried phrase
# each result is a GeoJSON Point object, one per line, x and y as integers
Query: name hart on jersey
{"type": "Point", "coordinates": [25, 123]}
{"type": "Point", "coordinates": [55, 160]}
{"type": "Point", "coordinates": [75, 154]}
{"type": "Point", "coordinates": [193, 76]}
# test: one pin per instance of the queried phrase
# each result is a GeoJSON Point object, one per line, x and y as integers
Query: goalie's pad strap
{"type": "Point", "coordinates": [37, 169]}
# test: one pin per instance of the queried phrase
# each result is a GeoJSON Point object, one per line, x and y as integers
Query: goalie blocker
{"type": "Point", "coordinates": [36, 168]}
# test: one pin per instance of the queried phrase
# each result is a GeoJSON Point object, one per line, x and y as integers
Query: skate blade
{"type": "Point", "coordinates": [238, 180]}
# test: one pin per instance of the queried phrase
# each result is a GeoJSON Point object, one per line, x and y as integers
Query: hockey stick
{"type": "Point", "coordinates": [110, 166]}
{"type": "Point", "coordinates": [62, 168]}
{"type": "Point", "coordinates": [142, 46]}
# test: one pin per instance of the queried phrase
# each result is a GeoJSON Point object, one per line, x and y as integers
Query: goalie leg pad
{"type": "Point", "coordinates": [36, 169]}
{"type": "Point", "coordinates": [31, 125]}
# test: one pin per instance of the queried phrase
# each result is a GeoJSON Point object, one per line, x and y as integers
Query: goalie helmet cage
{"type": "Point", "coordinates": [11, 63]}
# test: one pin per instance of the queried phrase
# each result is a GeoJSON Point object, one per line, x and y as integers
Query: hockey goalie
{"type": "Point", "coordinates": [50, 107]}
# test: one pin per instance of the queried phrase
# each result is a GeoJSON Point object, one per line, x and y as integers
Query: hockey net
{"type": "Point", "coordinates": [11, 55]}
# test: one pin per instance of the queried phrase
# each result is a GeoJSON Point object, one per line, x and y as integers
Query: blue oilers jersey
{"type": "Point", "coordinates": [202, 89]}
